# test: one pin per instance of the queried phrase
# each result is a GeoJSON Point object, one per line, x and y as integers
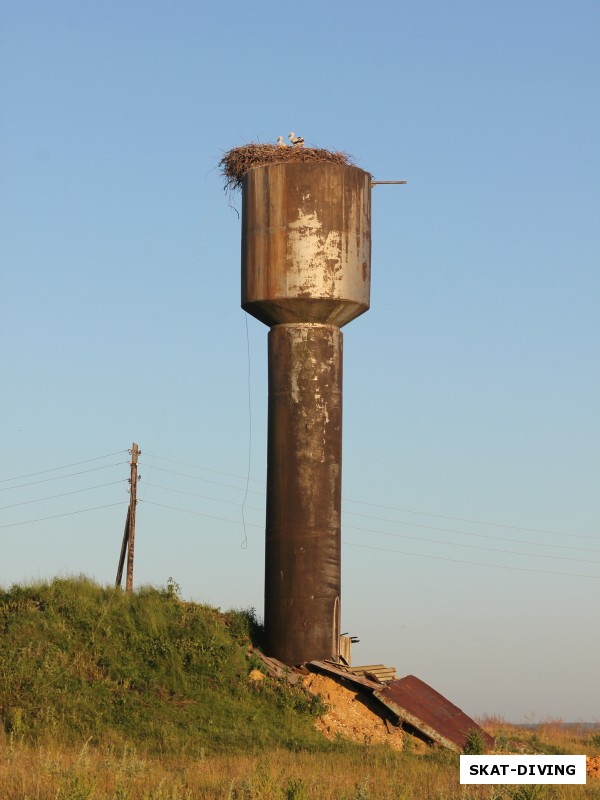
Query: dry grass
{"type": "Point", "coordinates": [550, 736]}
{"type": "Point", "coordinates": [236, 163]}
{"type": "Point", "coordinates": [370, 773]}
{"type": "Point", "coordinates": [96, 774]}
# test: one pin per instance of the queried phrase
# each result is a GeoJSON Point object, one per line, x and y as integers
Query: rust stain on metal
{"type": "Point", "coordinates": [306, 247]}
{"type": "Point", "coordinates": [417, 704]}
{"type": "Point", "coordinates": [306, 243]}
{"type": "Point", "coordinates": [304, 455]}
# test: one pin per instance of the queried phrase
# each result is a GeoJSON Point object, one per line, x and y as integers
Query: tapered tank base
{"type": "Point", "coordinates": [304, 461]}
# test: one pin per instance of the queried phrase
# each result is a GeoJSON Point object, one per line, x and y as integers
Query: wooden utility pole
{"type": "Point", "coordinates": [132, 505]}
{"type": "Point", "coordinates": [123, 551]}
{"type": "Point", "coordinates": [129, 533]}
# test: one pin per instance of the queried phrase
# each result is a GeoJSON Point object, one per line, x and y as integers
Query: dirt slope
{"type": "Point", "coordinates": [351, 715]}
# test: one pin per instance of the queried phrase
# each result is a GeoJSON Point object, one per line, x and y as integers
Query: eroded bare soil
{"type": "Point", "coordinates": [351, 715]}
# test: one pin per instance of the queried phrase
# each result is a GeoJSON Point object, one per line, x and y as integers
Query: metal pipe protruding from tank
{"type": "Point", "coordinates": [304, 463]}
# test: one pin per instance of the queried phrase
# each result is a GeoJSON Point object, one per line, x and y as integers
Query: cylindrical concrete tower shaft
{"type": "Point", "coordinates": [303, 555]}
{"type": "Point", "coordinates": [306, 266]}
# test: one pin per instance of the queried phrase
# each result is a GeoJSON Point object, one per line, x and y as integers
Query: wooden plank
{"type": "Point", "coordinates": [337, 672]}
{"type": "Point", "coordinates": [379, 678]}
{"type": "Point", "coordinates": [369, 667]}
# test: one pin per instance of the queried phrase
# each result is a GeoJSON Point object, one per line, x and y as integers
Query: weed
{"type": "Point", "coordinates": [528, 791]}
{"type": "Point", "coordinates": [475, 745]}
{"type": "Point", "coordinates": [296, 790]}
{"type": "Point", "coordinates": [76, 787]}
{"type": "Point", "coordinates": [173, 589]}
{"type": "Point", "coordinates": [362, 790]}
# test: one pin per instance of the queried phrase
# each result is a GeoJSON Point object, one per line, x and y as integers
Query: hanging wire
{"type": "Point", "coordinates": [244, 544]}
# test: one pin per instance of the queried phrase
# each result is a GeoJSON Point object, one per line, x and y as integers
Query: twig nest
{"type": "Point", "coordinates": [236, 163]}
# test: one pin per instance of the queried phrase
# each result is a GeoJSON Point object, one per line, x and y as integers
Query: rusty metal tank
{"type": "Point", "coordinates": [306, 264]}
{"type": "Point", "coordinates": [306, 243]}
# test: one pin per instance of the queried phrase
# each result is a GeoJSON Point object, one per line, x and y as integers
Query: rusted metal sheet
{"type": "Point", "coordinates": [306, 243]}
{"type": "Point", "coordinates": [417, 704]}
{"type": "Point", "coordinates": [304, 459]}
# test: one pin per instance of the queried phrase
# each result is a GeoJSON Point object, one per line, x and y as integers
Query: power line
{"type": "Point", "coordinates": [474, 521]}
{"type": "Point", "coordinates": [205, 480]}
{"type": "Point", "coordinates": [60, 477]}
{"type": "Point", "coordinates": [64, 494]}
{"type": "Point", "coordinates": [466, 533]}
{"type": "Point", "coordinates": [373, 505]}
{"type": "Point", "coordinates": [202, 496]}
{"type": "Point", "coordinates": [472, 546]}
{"type": "Point", "coordinates": [66, 466]}
{"type": "Point", "coordinates": [389, 550]}
{"type": "Point", "coordinates": [398, 522]}
{"type": "Point", "coordinates": [66, 514]}
{"type": "Point", "coordinates": [199, 514]}
{"type": "Point", "coordinates": [472, 563]}
{"type": "Point", "coordinates": [198, 466]}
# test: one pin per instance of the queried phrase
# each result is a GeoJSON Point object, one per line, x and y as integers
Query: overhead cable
{"type": "Point", "coordinates": [202, 496]}
{"type": "Point", "coordinates": [66, 514]}
{"type": "Point", "coordinates": [389, 550]}
{"type": "Point", "coordinates": [205, 480]}
{"type": "Point", "coordinates": [198, 466]}
{"type": "Point", "coordinates": [66, 466]}
{"type": "Point", "coordinates": [472, 546]}
{"type": "Point", "coordinates": [199, 513]}
{"type": "Point", "coordinates": [373, 505]}
{"type": "Point", "coordinates": [63, 494]}
{"type": "Point", "coordinates": [60, 477]}
{"type": "Point", "coordinates": [477, 535]}
{"type": "Point", "coordinates": [474, 521]}
{"type": "Point", "coordinates": [472, 563]}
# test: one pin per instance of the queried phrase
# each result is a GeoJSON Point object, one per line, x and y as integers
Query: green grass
{"type": "Point", "coordinates": [80, 662]}
{"type": "Point", "coordinates": [108, 696]}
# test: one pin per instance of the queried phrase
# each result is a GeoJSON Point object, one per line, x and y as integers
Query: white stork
{"type": "Point", "coordinates": [280, 142]}
{"type": "Point", "coordinates": [297, 141]}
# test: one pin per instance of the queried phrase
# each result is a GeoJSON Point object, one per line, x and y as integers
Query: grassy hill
{"type": "Point", "coordinates": [82, 662]}
{"type": "Point", "coordinates": [107, 696]}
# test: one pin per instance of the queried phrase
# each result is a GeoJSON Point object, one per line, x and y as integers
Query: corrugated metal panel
{"type": "Point", "coordinates": [416, 703]}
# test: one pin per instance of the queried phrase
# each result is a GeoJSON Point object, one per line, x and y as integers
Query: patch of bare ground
{"type": "Point", "coordinates": [352, 715]}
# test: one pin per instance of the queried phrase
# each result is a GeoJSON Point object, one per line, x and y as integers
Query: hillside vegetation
{"type": "Point", "coordinates": [80, 662]}
{"type": "Point", "coordinates": [107, 696]}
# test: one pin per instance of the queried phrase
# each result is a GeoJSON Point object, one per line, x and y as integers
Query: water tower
{"type": "Point", "coordinates": [306, 267]}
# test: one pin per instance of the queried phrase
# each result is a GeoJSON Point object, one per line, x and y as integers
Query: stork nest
{"type": "Point", "coordinates": [236, 163]}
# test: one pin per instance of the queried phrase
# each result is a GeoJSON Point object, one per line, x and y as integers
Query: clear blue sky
{"type": "Point", "coordinates": [472, 386]}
